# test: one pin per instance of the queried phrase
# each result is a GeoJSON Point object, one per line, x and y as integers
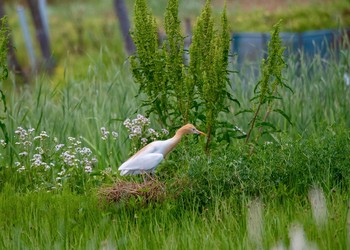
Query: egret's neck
{"type": "Point", "coordinates": [179, 133]}
{"type": "Point", "coordinates": [174, 141]}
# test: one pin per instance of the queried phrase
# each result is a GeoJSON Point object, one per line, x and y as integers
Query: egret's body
{"type": "Point", "coordinates": [148, 158]}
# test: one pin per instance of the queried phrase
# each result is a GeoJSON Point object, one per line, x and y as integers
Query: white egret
{"type": "Point", "coordinates": [148, 158]}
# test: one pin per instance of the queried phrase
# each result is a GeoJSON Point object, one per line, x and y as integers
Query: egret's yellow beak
{"type": "Point", "coordinates": [201, 133]}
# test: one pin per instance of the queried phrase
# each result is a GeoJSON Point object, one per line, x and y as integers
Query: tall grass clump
{"type": "Point", "coordinates": [318, 97]}
{"type": "Point", "coordinates": [268, 88]}
{"type": "Point", "coordinates": [80, 128]}
{"type": "Point", "coordinates": [177, 93]}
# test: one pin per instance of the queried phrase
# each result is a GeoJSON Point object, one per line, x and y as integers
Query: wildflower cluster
{"type": "Point", "coordinates": [49, 163]}
{"type": "Point", "coordinates": [105, 134]}
{"type": "Point", "coordinates": [140, 133]}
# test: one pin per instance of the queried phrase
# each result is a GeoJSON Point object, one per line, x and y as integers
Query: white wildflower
{"type": "Point", "coordinates": [21, 169]}
{"type": "Point", "coordinates": [17, 163]}
{"type": "Point", "coordinates": [127, 123]}
{"type": "Point", "coordinates": [47, 166]}
{"type": "Point", "coordinates": [151, 131]}
{"type": "Point", "coordinates": [137, 130]}
{"type": "Point", "coordinates": [63, 171]}
{"type": "Point", "coordinates": [115, 135]}
{"type": "Point", "coordinates": [27, 143]}
{"type": "Point", "coordinates": [104, 133]}
{"type": "Point", "coordinates": [77, 149]}
{"type": "Point", "coordinates": [144, 120]}
{"type": "Point", "coordinates": [3, 143]}
{"type": "Point", "coordinates": [59, 146]}
{"type": "Point", "coordinates": [88, 169]}
{"type": "Point", "coordinates": [71, 138]}
{"type": "Point", "coordinates": [43, 134]}
{"type": "Point", "coordinates": [68, 158]}
{"type": "Point", "coordinates": [22, 133]}
{"type": "Point", "coordinates": [40, 150]}
{"type": "Point", "coordinates": [154, 134]}
{"type": "Point", "coordinates": [144, 141]}
{"type": "Point", "coordinates": [24, 153]}
{"type": "Point", "coordinates": [164, 131]}
{"type": "Point", "coordinates": [37, 161]}
{"type": "Point", "coordinates": [37, 157]}
{"type": "Point", "coordinates": [85, 151]}
{"type": "Point", "coordinates": [77, 143]}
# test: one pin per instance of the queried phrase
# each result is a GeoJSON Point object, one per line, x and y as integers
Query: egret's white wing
{"type": "Point", "coordinates": [144, 162]}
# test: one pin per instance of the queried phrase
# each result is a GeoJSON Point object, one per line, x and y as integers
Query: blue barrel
{"type": "Point", "coordinates": [317, 42]}
{"type": "Point", "coordinates": [291, 41]}
{"type": "Point", "coordinates": [249, 46]}
{"type": "Point", "coordinates": [252, 46]}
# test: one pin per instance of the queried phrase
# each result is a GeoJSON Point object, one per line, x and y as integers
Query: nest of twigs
{"type": "Point", "coordinates": [148, 191]}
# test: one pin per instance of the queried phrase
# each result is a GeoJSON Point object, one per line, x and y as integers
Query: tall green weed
{"type": "Point", "coordinates": [175, 92]}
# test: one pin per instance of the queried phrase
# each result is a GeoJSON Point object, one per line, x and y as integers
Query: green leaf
{"type": "Point", "coordinates": [271, 97]}
{"type": "Point", "coordinates": [229, 96]}
{"type": "Point", "coordinates": [240, 136]}
{"type": "Point", "coordinates": [3, 128]}
{"type": "Point", "coordinates": [288, 87]}
{"type": "Point", "coordinates": [255, 97]}
{"type": "Point", "coordinates": [281, 112]}
{"type": "Point", "coordinates": [265, 124]}
{"type": "Point", "coordinates": [244, 111]}
{"type": "Point", "coordinates": [3, 99]}
{"type": "Point", "coordinates": [256, 86]}
{"type": "Point", "coordinates": [271, 132]}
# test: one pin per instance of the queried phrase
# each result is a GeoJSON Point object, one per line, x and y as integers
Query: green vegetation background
{"type": "Point", "coordinates": [93, 88]}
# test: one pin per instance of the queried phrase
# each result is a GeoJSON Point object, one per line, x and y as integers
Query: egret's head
{"type": "Point", "coordinates": [190, 129]}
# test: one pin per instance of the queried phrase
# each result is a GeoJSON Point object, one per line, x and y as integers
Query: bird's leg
{"type": "Point", "coordinates": [144, 176]}
{"type": "Point", "coordinates": [149, 176]}
{"type": "Point", "coordinates": [153, 176]}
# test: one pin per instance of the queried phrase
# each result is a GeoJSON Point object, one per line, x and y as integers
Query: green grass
{"type": "Point", "coordinates": [208, 196]}
{"type": "Point", "coordinates": [68, 221]}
